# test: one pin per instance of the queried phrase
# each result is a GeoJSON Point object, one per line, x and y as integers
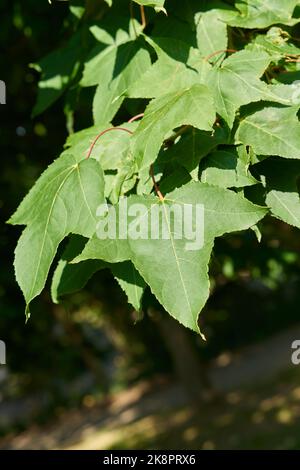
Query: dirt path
{"type": "Point", "coordinates": [256, 363]}
{"type": "Point", "coordinates": [139, 407]}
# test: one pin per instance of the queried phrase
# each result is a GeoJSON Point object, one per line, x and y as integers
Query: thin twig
{"type": "Point", "coordinates": [155, 185]}
{"type": "Point", "coordinates": [291, 59]}
{"type": "Point", "coordinates": [292, 55]}
{"type": "Point", "coordinates": [219, 52]}
{"type": "Point", "coordinates": [156, 188]}
{"type": "Point", "coordinates": [181, 131]}
{"type": "Point", "coordinates": [143, 17]}
{"type": "Point", "coordinates": [104, 132]}
{"type": "Point", "coordinates": [138, 116]}
{"type": "Point", "coordinates": [268, 76]}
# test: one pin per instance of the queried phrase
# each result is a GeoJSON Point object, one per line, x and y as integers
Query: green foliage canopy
{"type": "Point", "coordinates": [216, 89]}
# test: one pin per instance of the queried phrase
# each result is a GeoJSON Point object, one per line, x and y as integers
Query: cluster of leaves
{"type": "Point", "coordinates": [216, 86]}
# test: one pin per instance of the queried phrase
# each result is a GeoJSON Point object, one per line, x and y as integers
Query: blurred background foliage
{"type": "Point", "coordinates": [93, 344]}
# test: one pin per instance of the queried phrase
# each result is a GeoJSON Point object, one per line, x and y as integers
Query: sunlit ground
{"type": "Point", "coordinates": [267, 418]}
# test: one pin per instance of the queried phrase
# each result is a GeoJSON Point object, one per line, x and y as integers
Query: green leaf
{"type": "Point", "coordinates": [173, 28]}
{"type": "Point", "coordinates": [117, 39]}
{"type": "Point", "coordinates": [281, 181]}
{"type": "Point", "coordinates": [101, 63]}
{"type": "Point", "coordinates": [77, 8]}
{"type": "Point", "coordinates": [191, 106]}
{"type": "Point", "coordinates": [188, 10]}
{"type": "Point", "coordinates": [208, 113]}
{"type": "Point", "coordinates": [130, 281]}
{"type": "Point", "coordinates": [63, 201]}
{"type": "Point", "coordinates": [157, 4]}
{"type": "Point", "coordinates": [272, 131]}
{"type": "Point", "coordinates": [264, 13]}
{"type": "Point", "coordinates": [130, 64]}
{"type": "Point", "coordinates": [176, 179]}
{"type": "Point", "coordinates": [288, 77]}
{"type": "Point", "coordinates": [275, 42]}
{"type": "Point", "coordinates": [113, 152]}
{"type": "Point", "coordinates": [211, 33]}
{"type": "Point", "coordinates": [69, 278]}
{"type": "Point", "coordinates": [114, 30]}
{"type": "Point", "coordinates": [178, 277]}
{"type": "Point", "coordinates": [57, 70]}
{"type": "Point", "coordinates": [237, 83]}
{"type": "Point", "coordinates": [289, 93]}
{"type": "Point", "coordinates": [172, 71]}
{"type": "Point", "coordinates": [227, 169]}
{"type": "Point", "coordinates": [114, 65]}
{"type": "Point", "coordinates": [192, 147]}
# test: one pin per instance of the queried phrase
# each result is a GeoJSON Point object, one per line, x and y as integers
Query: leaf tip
{"type": "Point", "coordinates": [77, 260]}
{"type": "Point", "coordinates": [202, 335]}
{"type": "Point", "coordinates": [159, 9]}
{"type": "Point", "coordinates": [27, 314]}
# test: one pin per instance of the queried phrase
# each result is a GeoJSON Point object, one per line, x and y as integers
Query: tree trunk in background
{"type": "Point", "coordinates": [76, 338]}
{"type": "Point", "coordinates": [186, 362]}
